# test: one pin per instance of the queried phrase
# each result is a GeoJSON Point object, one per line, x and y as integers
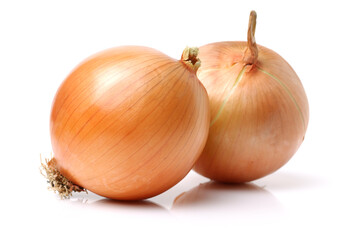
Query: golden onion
{"type": "Point", "coordinates": [128, 123]}
{"type": "Point", "coordinates": [259, 110]}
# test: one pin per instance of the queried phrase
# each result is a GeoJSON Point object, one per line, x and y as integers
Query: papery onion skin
{"type": "Point", "coordinates": [129, 123]}
{"type": "Point", "coordinates": [259, 111]}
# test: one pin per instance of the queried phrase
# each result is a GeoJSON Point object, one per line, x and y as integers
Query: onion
{"type": "Point", "coordinates": [128, 123]}
{"type": "Point", "coordinates": [259, 110]}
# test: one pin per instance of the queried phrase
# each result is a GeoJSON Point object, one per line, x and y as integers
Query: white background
{"type": "Point", "coordinates": [314, 196]}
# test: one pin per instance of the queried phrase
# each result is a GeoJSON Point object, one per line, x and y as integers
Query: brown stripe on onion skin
{"type": "Point", "coordinates": [194, 131]}
{"type": "Point", "coordinates": [86, 108]}
{"type": "Point", "coordinates": [104, 116]}
{"type": "Point", "coordinates": [122, 139]}
{"type": "Point", "coordinates": [86, 96]}
{"type": "Point", "coordinates": [149, 162]}
{"type": "Point", "coordinates": [108, 126]}
{"type": "Point", "coordinates": [189, 144]}
{"type": "Point", "coordinates": [136, 145]}
{"type": "Point", "coordinates": [170, 137]}
{"type": "Point", "coordinates": [247, 113]}
{"type": "Point", "coordinates": [289, 93]}
{"type": "Point", "coordinates": [75, 94]}
{"type": "Point", "coordinates": [70, 144]}
{"type": "Point", "coordinates": [145, 164]}
{"type": "Point", "coordinates": [192, 147]}
{"type": "Point", "coordinates": [295, 88]}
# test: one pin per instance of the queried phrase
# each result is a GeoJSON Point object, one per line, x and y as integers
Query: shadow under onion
{"type": "Point", "coordinates": [93, 200]}
{"type": "Point", "coordinates": [290, 181]}
{"type": "Point", "coordinates": [233, 200]}
{"type": "Point", "coordinates": [135, 205]}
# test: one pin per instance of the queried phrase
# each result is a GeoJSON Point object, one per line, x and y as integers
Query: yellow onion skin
{"type": "Point", "coordinates": [259, 112]}
{"type": "Point", "coordinates": [129, 123]}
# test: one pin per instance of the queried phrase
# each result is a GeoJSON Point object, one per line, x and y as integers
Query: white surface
{"type": "Point", "coordinates": [315, 196]}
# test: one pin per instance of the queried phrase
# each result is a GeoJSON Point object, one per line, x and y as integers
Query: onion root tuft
{"type": "Point", "coordinates": [58, 182]}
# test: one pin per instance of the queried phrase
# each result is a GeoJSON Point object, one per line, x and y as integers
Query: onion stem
{"type": "Point", "coordinates": [251, 52]}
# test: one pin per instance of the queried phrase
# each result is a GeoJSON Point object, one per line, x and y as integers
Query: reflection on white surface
{"type": "Point", "coordinates": [197, 197]}
{"type": "Point", "coordinates": [235, 201]}
{"type": "Point", "coordinates": [197, 200]}
{"type": "Point", "coordinates": [126, 207]}
{"type": "Point", "coordinates": [291, 181]}
{"type": "Point", "coordinates": [83, 197]}
{"type": "Point", "coordinates": [94, 201]}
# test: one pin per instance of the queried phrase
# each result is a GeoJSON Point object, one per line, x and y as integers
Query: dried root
{"type": "Point", "coordinates": [58, 183]}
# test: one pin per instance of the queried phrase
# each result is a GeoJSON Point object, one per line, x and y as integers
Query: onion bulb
{"type": "Point", "coordinates": [259, 110]}
{"type": "Point", "coordinates": [129, 123]}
